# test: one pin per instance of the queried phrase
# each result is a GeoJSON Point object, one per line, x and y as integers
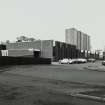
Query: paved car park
{"type": "Point", "coordinates": [49, 84]}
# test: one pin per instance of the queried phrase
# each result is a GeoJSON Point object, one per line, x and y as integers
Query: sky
{"type": "Point", "coordinates": [48, 19]}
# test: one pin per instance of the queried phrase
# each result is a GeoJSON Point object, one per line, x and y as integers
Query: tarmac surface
{"type": "Point", "coordinates": [52, 84]}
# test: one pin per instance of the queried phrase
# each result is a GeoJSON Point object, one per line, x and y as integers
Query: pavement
{"type": "Point", "coordinates": [51, 84]}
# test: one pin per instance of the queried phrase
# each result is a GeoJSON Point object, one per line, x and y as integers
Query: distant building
{"type": "Point", "coordinates": [48, 49]}
{"type": "Point", "coordinates": [71, 36]}
{"type": "Point", "coordinates": [55, 50]}
{"type": "Point", "coordinates": [77, 38]}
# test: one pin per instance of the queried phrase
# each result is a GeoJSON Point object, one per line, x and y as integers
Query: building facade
{"type": "Point", "coordinates": [55, 50]}
{"type": "Point", "coordinates": [19, 48]}
{"type": "Point", "coordinates": [77, 38]}
{"type": "Point", "coordinates": [48, 49]}
{"type": "Point", "coordinates": [63, 50]}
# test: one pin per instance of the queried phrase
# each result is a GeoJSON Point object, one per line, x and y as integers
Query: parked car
{"type": "Point", "coordinates": [64, 61]}
{"type": "Point", "coordinates": [103, 63]}
{"type": "Point", "coordinates": [81, 60]}
{"type": "Point", "coordinates": [72, 61]}
{"type": "Point", "coordinates": [91, 60]}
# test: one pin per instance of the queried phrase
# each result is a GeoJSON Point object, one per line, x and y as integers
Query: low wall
{"type": "Point", "coordinates": [4, 60]}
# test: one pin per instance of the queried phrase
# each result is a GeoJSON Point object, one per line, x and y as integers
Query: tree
{"type": "Point", "coordinates": [24, 38]}
{"type": "Point", "coordinates": [31, 39]}
{"type": "Point", "coordinates": [7, 41]}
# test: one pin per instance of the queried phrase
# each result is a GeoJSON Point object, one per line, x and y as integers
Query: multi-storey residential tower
{"type": "Point", "coordinates": [78, 38]}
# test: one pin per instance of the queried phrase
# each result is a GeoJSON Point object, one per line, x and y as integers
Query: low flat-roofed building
{"type": "Point", "coordinates": [44, 46]}
{"type": "Point", "coordinates": [48, 49]}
